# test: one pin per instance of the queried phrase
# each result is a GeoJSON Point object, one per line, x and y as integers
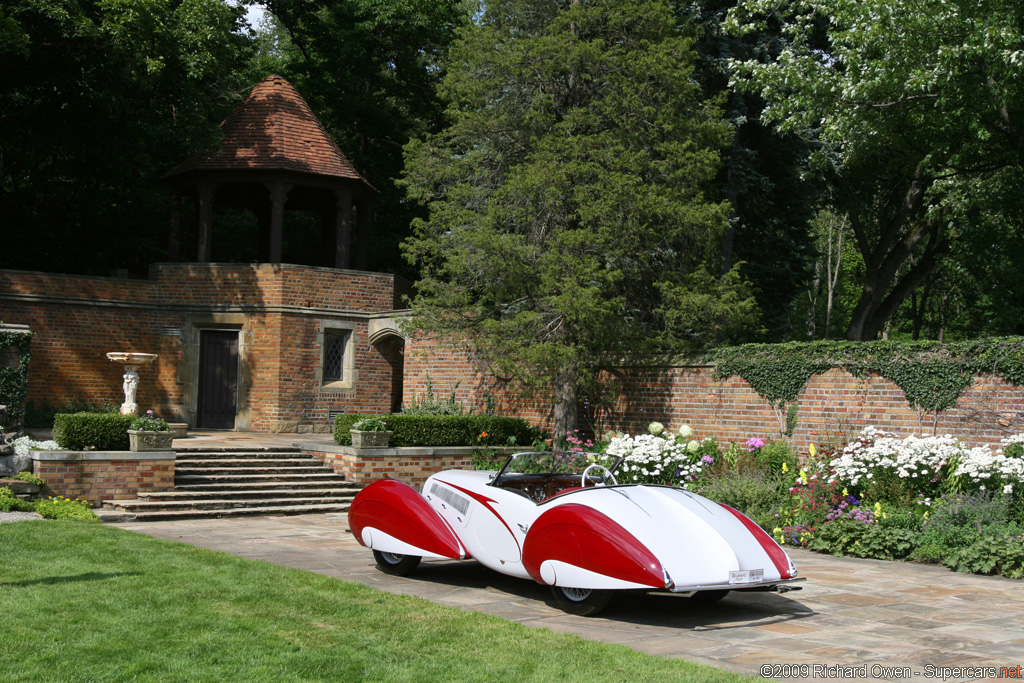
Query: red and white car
{"type": "Point", "coordinates": [561, 519]}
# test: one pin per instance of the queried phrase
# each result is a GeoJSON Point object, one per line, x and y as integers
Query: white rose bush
{"type": "Point", "coordinates": [927, 466]}
{"type": "Point", "coordinates": [658, 457]}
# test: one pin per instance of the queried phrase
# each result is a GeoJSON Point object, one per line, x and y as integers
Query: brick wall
{"type": "Point", "coordinates": [411, 465]}
{"type": "Point", "coordinates": [832, 407]}
{"type": "Point", "coordinates": [278, 310]}
{"type": "Point", "coordinates": [96, 477]}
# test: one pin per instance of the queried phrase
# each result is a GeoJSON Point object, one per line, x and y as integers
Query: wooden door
{"type": "Point", "coordinates": [218, 379]}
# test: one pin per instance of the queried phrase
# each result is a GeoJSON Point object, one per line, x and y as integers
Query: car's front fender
{"type": "Point", "coordinates": [391, 516]}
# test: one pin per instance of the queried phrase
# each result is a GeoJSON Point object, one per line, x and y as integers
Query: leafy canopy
{"type": "Point", "coordinates": [906, 101]}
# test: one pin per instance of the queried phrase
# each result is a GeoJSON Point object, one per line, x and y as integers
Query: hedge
{"type": "Point", "coordinates": [446, 430]}
{"type": "Point", "coordinates": [92, 431]}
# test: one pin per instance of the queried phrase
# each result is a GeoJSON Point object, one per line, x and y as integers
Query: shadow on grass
{"type": "Point", "coordinates": [50, 580]}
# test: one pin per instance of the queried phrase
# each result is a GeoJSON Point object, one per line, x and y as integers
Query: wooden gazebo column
{"type": "Point", "coordinates": [364, 224]}
{"type": "Point", "coordinates": [174, 246]}
{"type": "Point", "coordinates": [278, 196]}
{"type": "Point", "coordinates": [207, 192]}
{"type": "Point", "coordinates": [342, 227]}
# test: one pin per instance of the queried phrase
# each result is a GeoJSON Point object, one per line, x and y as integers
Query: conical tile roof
{"type": "Point", "coordinates": [274, 129]}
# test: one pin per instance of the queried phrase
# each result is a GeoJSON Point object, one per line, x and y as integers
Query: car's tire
{"type": "Point", "coordinates": [395, 564]}
{"type": "Point", "coordinates": [707, 597]}
{"type": "Point", "coordinates": [584, 602]}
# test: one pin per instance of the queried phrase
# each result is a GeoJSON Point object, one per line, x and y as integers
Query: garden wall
{"type": "Point", "coordinates": [830, 409]}
{"type": "Point", "coordinates": [98, 476]}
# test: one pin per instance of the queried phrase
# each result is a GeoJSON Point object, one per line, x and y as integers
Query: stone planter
{"type": "Point", "coordinates": [364, 439]}
{"type": "Point", "coordinates": [139, 440]}
{"type": "Point", "coordinates": [179, 429]}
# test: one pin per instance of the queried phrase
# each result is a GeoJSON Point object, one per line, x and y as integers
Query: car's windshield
{"type": "Point", "coordinates": [556, 462]}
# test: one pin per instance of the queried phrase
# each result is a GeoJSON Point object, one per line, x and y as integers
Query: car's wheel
{"type": "Point", "coordinates": [585, 602]}
{"type": "Point", "coordinates": [707, 597]}
{"type": "Point", "coordinates": [398, 565]}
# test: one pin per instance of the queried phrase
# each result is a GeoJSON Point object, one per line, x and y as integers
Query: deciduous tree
{"type": "Point", "coordinates": [906, 101]}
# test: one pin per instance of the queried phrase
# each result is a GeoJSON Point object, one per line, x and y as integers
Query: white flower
{"type": "Point", "coordinates": [693, 446]}
{"type": "Point", "coordinates": [685, 431]}
{"type": "Point", "coordinates": [656, 428]}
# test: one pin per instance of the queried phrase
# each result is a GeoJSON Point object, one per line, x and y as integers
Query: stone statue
{"type": "Point", "coordinates": [131, 385]}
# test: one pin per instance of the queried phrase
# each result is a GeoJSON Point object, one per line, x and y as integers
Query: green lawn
{"type": "Point", "coordinates": [84, 602]}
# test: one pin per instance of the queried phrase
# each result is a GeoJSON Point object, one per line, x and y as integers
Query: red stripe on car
{"type": "Point", "coordinates": [775, 552]}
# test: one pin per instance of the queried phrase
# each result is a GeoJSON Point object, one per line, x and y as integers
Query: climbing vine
{"type": "Point", "coordinates": [932, 375]}
{"type": "Point", "coordinates": [14, 356]}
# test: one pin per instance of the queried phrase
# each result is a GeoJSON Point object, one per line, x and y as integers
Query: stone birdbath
{"type": "Point", "coordinates": [131, 362]}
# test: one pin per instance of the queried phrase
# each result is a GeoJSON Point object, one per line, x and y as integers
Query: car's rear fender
{"type": "Point", "coordinates": [578, 546]}
{"type": "Point", "coordinates": [391, 516]}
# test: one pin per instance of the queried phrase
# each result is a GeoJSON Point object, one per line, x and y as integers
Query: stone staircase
{"type": "Point", "coordinates": [227, 482]}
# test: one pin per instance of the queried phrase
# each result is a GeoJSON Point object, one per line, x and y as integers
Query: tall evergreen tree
{"type": "Point", "coordinates": [568, 223]}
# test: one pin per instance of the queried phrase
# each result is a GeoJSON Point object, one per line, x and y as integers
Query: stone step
{"type": "Point", "coordinates": [249, 492]}
{"type": "Point", "coordinates": [222, 504]}
{"type": "Point", "coordinates": [188, 463]}
{"type": "Point", "coordinates": [254, 452]}
{"type": "Point", "coordinates": [242, 481]}
{"type": "Point", "coordinates": [186, 480]}
{"type": "Point", "coordinates": [238, 471]}
{"type": "Point", "coordinates": [258, 485]}
{"type": "Point", "coordinates": [126, 516]}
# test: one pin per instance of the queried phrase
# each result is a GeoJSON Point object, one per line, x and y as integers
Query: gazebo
{"type": "Point", "coordinates": [276, 155]}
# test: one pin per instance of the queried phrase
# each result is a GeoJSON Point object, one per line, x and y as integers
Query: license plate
{"type": "Point", "coordinates": [746, 576]}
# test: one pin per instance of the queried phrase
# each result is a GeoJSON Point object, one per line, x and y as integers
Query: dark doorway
{"type": "Point", "coordinates": [218, 379]}
{"type": "Point", "coordinates": [392, 348]}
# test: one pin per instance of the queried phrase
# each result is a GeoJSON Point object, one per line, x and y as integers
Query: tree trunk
{"type": "Point", "coordinates": [900, 236]}
{"type": "Point", "coordinates": [566, 419]}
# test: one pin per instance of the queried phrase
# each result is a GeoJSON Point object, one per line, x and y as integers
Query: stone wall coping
{"type": "Point", "coordinates": [76, 456]}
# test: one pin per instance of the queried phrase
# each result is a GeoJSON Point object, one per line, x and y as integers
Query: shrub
{"type": "Point", "coordinates": [446, 430]}
{"type": "Point", "coordinates": [757, 494]}
{"type": "Point", "coordinates": [30, 478]}
{"type": "Point", "coordinates": [885, 468]}
{"type": "Point", "coordinates": [956, 520]}
{"type": "Point", "coordinates": [60, 507]}
{"type": "Point", "coordinates": [656, 459]}
{"type": "Point", "coordinates": [9, 502]}
{"type": "Point", "coordinates": [92, 431]}
{"type": "Point", "coordinates": [1000, 550]}
{"type": "Point", "coordinates": [857, 539]}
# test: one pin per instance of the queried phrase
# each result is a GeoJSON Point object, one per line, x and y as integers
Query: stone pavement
{"type": "Point", "coordinates": [854, 619]}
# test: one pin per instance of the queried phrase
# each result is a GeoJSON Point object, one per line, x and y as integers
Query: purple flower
{"type": "Point", "coordinates": [754, 443]}
{"type": "Point", "coordinates": [707, 460]}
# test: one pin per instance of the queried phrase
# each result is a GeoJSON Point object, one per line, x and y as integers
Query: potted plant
{"type": "Point", "coordinates": [149, 433]}
{"type": "Point", "coordinates": [370, 432]}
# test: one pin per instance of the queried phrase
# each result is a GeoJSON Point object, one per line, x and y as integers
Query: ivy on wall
{"type": "Point", "coordinates": [15, 352]}
{"type": "Point", "coordinates": [931, 374]}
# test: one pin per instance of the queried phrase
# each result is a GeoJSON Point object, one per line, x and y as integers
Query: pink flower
{"type": "Point", "coordinates": [754, 443]}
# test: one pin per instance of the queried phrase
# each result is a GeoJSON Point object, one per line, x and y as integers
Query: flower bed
{"type": "Point", "coordinates": [925, 498]}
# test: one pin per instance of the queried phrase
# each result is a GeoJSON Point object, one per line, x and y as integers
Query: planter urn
{"type": "Point", "coordinates": [139, 440]}
{"type": "Point", "coordinates": [367, 439]}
